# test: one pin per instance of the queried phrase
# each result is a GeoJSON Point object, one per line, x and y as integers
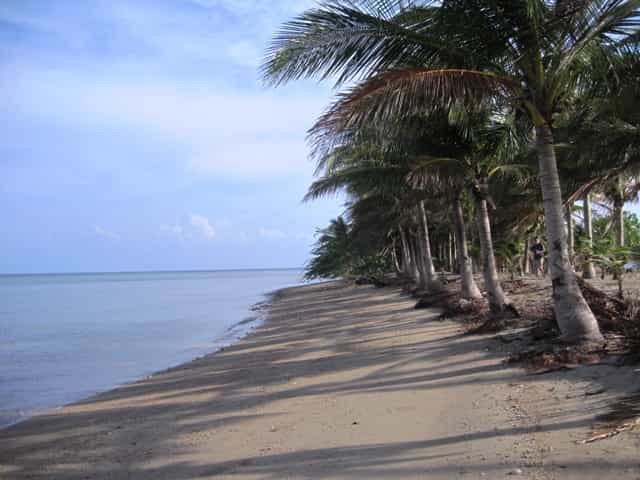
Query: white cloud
{"type": "Point", "coordinates": [218, 130]}
{"type": "Point", "coordinates": [174, 31]}
{"type": "Point", "coordinates": [172, 77]}
{"type": "Point", "coordinates": [177, 29]}
{"type": "Point", "coordinates": [196, 226]}
{"type": "Point", "coordinates": [202, 226]}
{"type": "Point", "coordinates": [104, 233]}
{"type": "Point", "coordinates": [167, 32]}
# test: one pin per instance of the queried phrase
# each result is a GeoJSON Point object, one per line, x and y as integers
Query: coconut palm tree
{"type": "Point", "coordinates": [469, 288]}
{"type": "Point", "coordinates": [529, 54]}
{"type": "Point", "coordinates": [448, 154]}
{"type": "Point", "coordinates": [588, 271]}
{"type": "Point", "coordinates": [331, 255]}
{"type": "Point", "coordinates": [474, 159]}
{"type": "Point", "coordinates": [364, 173]}
{"type": "Point", "coordinates": [602, 129]}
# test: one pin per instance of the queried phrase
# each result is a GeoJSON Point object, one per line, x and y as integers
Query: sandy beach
{"type": "Point", "coordinates": [340, 382]}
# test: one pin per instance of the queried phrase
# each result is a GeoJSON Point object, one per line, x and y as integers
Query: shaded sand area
{"type": "Point", "coordinates": [341, 382]}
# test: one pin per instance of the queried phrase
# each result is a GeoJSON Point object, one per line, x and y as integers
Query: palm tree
{"type": "Point", "coordinates": [617, 191]}
{"type": "Point", "coordinates": [474, 148]}
{"type": "Point", "coordinates": [331, 255]}
{"type": "Point", "coordinates": [363, 172]}
{"type": "Point", "coordinates": [429, 270]}
{"type": "Point", "coordinates": [588, 271]}
{"type": "Point", "coordinates": [474, 158]}
{"type": "Point", "coordinates": [529, 54]}
{"type": "Point", "coordinates": [469, 288]}
{"type": "Point", "coordinates": [602, 127]}
{"type": "Point", "coordinates": [614, 261]}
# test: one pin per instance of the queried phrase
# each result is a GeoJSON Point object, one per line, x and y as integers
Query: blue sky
{"type": "Point", "coordinates": [137, 135]}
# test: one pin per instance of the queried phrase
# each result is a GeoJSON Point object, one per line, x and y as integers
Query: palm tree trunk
{"type": "Point", "coordinates": [618, 217]}
{"type": "Point", "coordinates": [454, 260]}
{"type": "Point", "coordinates": [415, 261]}
{"type": "Point", "coordinates": [394, 257]}
{"type": "Point", "coordinates": [429, 271]}
{"type": "Point", "coordinates": [422, 265]}
{"type": "Point", "coordinates": [451, 250]}
{"type": "Point", "coordinates": [416, 271]}
{"type": "Point", "coordinates": [620, 290]}
{"type": "Point", "coordinates": [525, 256]}
{"type": "Point", "coordinates": [406, 255]}
{"type": "Point", "coordinates": [618, 212]}
{"type": "Point", "coordinates": [497, 299]}
{"type": "Point", "coordinates": [575, 319]}
{"type": "Point", "coordinates": [413, 272]}
{"type": "Point", "coordinates": [469, 288]}
{"type": "Point", "coordinates": [588, 271]}
{"type": "Point", "coordinates": [570, 234]}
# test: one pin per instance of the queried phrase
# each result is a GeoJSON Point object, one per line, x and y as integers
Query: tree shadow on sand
{"type": "Point", "coordinates": [313, 333]}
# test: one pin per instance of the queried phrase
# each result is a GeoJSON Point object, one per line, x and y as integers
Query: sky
{"type": "Point", "coordinates": [138, 135]}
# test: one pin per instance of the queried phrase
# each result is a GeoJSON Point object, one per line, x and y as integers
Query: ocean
{"type": "Point", "coordinates": [65, 337]}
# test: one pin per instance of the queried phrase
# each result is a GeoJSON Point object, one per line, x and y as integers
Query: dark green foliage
{"type": "Point", "coordinates": [338, 253]}
{"type": "Point", "coordinates": [371, 266]}
{"type": "Point", "coordinates": [605, 237]}
{"type": "Point", "coordinates": [331, 253]}
{"type": "Point", "coordinates": [509, 255]}
{"type": "Point", "coordinates": [440, 102]}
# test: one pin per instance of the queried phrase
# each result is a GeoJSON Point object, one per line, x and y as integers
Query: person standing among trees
{"type": "Point", "coordinates": [538, 257]}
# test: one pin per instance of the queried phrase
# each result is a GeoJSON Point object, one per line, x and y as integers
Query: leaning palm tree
{"type": "Point", "coordinates": [528, 54]}
{"type": "Point", "coordinates": [364, 173]}
{"type": "Point", "coordinates": [466, 166]}
{"type": "Point", "coordinates": [601, 127]}
{"type": "Point", "coordinates": [331, 255]}
{"type": "Point", "coordinates": [451, 187]}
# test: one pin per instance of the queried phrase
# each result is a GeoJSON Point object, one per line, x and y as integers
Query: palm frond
{"type": "Point", "coordinates": [350, 39]}
{"type": "Point", "coordinates": [513, 169]}
{"type": "Point", "coordinates": [602, 19]}
{"type": "Point", "coordinates": [409, 92]}
{"type": "Point", "coordinates": [358, 179]}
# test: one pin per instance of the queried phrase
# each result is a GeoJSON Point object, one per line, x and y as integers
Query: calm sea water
{"type": "Point", "coordinates": [64, 337]}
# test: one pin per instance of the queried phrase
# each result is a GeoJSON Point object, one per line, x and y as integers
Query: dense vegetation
{"type": "Point", "coordinates": [513, 113]}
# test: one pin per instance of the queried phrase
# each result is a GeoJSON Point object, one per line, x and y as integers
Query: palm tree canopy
{"type": "Point", "coordinates": [424, 53]}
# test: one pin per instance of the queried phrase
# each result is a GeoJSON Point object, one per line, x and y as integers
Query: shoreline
{"type": "Point", "coordinates": [338, 382]}
{"type": "Point", "coordinates": [233, 334]}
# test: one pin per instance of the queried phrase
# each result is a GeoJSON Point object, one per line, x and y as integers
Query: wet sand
{"type": "Point", "coordinates": [340, 382]}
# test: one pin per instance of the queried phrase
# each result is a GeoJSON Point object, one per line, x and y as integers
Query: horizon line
{"type": "Point", "coordinates": [115, 272]}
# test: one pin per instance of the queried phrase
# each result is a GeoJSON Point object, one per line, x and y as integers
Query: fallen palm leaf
{"type": "Point", "coordinates": [612, 433]}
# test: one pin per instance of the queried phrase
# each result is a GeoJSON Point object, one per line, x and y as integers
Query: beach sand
{"type": "Point", "coordinates": [340, 382]}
